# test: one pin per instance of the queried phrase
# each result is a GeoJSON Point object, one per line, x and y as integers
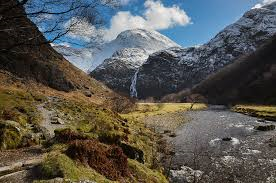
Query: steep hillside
{"type": "Point", "coordinates": [172, 70]}
{"type": "Point", "coordinates": [250, 79]}
{"type": "Point", "coordinates": [27, 54]}
{"type": "Point", "coordinates": [132, 49]}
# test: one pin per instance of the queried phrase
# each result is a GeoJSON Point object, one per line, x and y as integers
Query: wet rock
{"type": "Point", "coordinates": [261, 120]}
{"type": "Point", "coordinates": [265, 127]}
{"type": "Point", "coordinates": [133, 152]}
{"type": "Point", "coordinates": [226, 139]}
{"type": "Point", "coordinates": [272, 142]}
{"type": "Point", "coordinates": [167, 131]}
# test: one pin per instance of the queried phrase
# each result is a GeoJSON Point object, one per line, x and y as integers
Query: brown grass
{"type": "Point", "coordinates": [108, 161]}
{"type": "Point", "coordinates": [68, 135]}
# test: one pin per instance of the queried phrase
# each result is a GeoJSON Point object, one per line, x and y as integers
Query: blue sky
{"type": "Point", "coordinates": [208, 17]}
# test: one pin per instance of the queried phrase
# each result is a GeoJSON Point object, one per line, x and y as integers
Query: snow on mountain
{"type": "Point", "coordinates": [175, 69]}
{"type": "Point", "coordinates": [150, 41]}
{"type": "Point", "coordinates": [89, 59]}
{"type": "Point", "coordinates": [125, 55]}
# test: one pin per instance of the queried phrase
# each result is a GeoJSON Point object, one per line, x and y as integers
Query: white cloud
{"type": "Point", "coordinates": [263, 3]}
{"type": "Point", "coordinates": [155, 17]}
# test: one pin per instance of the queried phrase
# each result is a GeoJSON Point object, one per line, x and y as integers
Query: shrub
{"type": "Point", "coordinates": [67, 135]}
{"type": "Point", "coordinates": [109, 138]}
{"type": "Point", "coordinates": [108, 161]}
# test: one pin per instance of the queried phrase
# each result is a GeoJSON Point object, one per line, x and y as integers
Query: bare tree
{"type": "Point", "coordinates": [56, 19]}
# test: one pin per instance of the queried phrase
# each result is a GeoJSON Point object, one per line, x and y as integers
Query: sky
{"type": "Point", "coordinates": [187, 22]}
{"type": "Point", "coordinates": [207, 17]}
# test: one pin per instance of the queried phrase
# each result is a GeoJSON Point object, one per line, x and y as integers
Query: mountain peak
{"type": "Point", "coordinates": [145, 38]}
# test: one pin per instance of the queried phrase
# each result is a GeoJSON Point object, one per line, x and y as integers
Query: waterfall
{"type": "Point", "coordinates": [133, 91]}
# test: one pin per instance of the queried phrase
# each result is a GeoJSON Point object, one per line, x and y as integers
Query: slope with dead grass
{"type": "Point", "coordinates": [260, 111]}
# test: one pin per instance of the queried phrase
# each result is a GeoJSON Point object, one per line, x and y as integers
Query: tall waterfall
{"type": "Point", "coordinates": [133, 91]}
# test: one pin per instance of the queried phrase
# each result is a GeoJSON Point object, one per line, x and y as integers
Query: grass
{"type": "Point", "coordinates": [144, 174]}
{"type": "Point", "coordinates": [100, 123]}
{"type": "Point", "coordinates": [60, 165]}
{"type": "Point", "coordinates": [88, 119]}
{"type": "Point", "coordinates": [19, 106]}
{"type": "Point", "coordinates": [10, 136]}
{"type": "Point", "coordinates": [17, 111]}
{"type": "Point", "coordinates": [260, 111]}
{"type": "Point", "coordinates": [152, 109]}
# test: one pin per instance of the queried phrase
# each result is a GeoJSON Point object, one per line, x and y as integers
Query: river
{"type": "Point", "coordinates": [218, 145]}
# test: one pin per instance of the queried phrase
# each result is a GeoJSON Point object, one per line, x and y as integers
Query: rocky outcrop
{"type": "Point", "coordinates": [172, 70]}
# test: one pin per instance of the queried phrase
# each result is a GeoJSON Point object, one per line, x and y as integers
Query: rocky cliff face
{"type": "Point", "coordinates": [250, 79]}
{"type": "Point", "coordinates": [133, 48]}
{"type": "Point", "coordinates": [175, 69]}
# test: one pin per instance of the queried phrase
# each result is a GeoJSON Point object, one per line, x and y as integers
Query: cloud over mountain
{"type": "Point", "coordinates": [156, 16]}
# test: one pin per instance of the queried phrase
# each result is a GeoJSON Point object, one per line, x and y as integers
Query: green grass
{"type": "Point", "coordinates": [144, 174]}
{"type": "Point", "coordinates": [99, 122]}
{"type": "Point", "coordinates": [19, 106]}
{"type": "Point", "coordinates": [151, 109]}
{"type": "Point", "coordinates": [261, 111]}
{"type": "Point", "coordinates": [17, 111]}
{"type": "Point", "coordinates": [60, 165]}
{"type": "Point", "coordinates": [89, 119]}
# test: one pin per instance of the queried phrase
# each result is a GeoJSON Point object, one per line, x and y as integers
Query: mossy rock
{"type": "Point", "coordinates": [10, 135]}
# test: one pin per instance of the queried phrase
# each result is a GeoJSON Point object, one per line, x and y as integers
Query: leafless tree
{"type": "Point", "coordinates": [56, 19]}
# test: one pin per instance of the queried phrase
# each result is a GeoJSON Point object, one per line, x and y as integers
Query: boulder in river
{"type": "Point", "coordinates": [265, 127]}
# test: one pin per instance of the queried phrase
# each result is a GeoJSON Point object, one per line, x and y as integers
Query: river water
{"type": "Point", "coordinates": [218, 145]}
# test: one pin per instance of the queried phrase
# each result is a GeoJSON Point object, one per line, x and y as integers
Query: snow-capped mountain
{"type": "Point", "coordinates": [126, 54]}
{"type": "Point", "coordinates": [150, 41]}
{"type": "Point", "coordinates": [89, 59]}
{"type": "Point", "coordinates": [175, 69]}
